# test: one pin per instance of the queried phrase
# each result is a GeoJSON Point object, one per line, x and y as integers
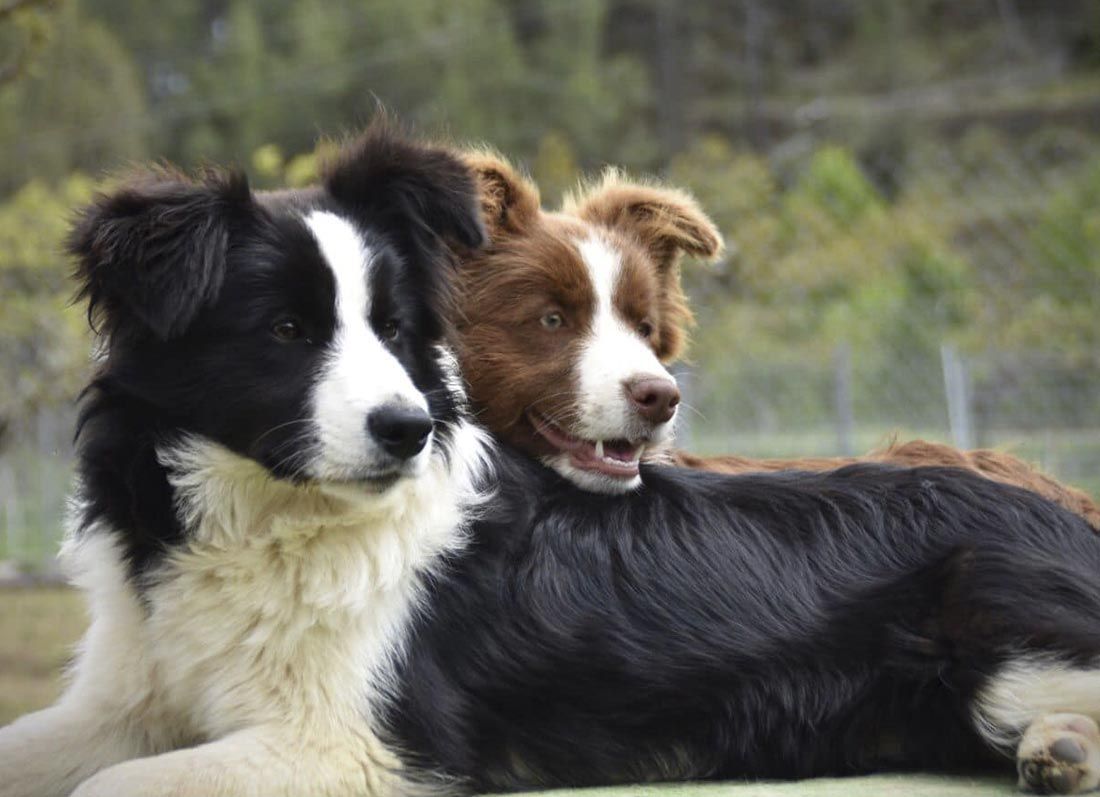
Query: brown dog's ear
{"type": "Point", "coordinates": [509, 201]}
{"type": "Point", "coordinates": [668, 222]}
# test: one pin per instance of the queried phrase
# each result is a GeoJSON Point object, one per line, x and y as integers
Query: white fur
{"type": "Point", "coordinates": [360, 375]}
{"type": "Point", "coordinates": [90, 724]}
{"type": "Point", "coordinates": [1031, 687]}
{"type": "Point", "coordinates": [268, 640]}
{"type": "Point", "coordinates": [452, 374]}
{"type": "Point", "coordinates": [612, 356]}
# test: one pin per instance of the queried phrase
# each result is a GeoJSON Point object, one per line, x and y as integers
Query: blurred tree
{"type": "Point", "coordinates": [888, 175]}
{"type": "Point", "coordinates": [43, 340]}
{"type": "Point", "coordinates": [825, 263]}
{"type": "Point", "coordinates": [1064, 277]}
{"type": "Point", "coordinates": [24, 29]}
{"type": "Point", "coordinates": [554, 168]}
{"type": "Point", "coordinates": [83, 99]}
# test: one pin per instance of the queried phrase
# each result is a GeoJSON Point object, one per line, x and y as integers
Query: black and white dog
{"type": "Point", "coordinates": [772, 626]}
{"type": "Point", "coordinates": [272, 455]}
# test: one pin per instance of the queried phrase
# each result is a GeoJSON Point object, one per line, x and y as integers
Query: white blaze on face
{"type": "Point", "coordinates": [360, 374]}
{"type": "Point", "coordinates": [612, 356]}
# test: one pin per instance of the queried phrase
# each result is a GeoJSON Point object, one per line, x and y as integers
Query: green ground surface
{"type": "Point", "coordinates": [38, 628]}
{"type": "Point", "coordinates": [873, 786]}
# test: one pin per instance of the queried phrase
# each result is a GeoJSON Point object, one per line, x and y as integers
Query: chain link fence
{"type": "Point", "coordinates": [1019, 370]}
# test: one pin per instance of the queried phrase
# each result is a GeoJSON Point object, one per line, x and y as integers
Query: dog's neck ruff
{"type": "Point", "coordinates": [294, 597]}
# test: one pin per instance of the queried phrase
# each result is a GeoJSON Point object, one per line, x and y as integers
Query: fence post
{"type": "Point", "coordinates": [845, 413]}
{"type": "Point", "coordinates": [9, 510]}
{"type": "Point", "coordinates": [959, 414]}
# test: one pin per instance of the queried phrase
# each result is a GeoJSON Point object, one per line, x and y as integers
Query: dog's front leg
{"type": "Point", "coordinates": [259, 762]}
{"type": "Point", "coordinates": [48, 753]}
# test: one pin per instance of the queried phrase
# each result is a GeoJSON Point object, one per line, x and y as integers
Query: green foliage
{"type": "Point", "coordinates": [43, 340]}
{"type": "Point", "coordinates": [25, 27]}
{"type": "Point", "coordinates": [554, 168]}
{"type": "Point", "coordinates": [1067, 240]}
{"type": "Point", "coordinates": [833, 185]}
{"type": "Point", "coordinates": [83, 100]}
{"type": "Point", "coordinates": [822, 264]}
{"type": "Point", "coordinates": [863, 207]}
{"type": "Point", "coordinates": [1064, 274]}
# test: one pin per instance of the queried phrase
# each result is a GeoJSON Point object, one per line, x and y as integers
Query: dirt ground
{"type": "Point", "coordinates": [39, 628]}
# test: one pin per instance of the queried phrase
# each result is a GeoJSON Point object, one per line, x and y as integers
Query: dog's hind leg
{"type": "Point", "coordinates": [1049, 711]}
{"type": "Point", "coordinates": [1060, 754]}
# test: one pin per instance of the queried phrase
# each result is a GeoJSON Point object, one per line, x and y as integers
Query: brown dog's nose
{"type": "Point", "coordinates": [654, 398]}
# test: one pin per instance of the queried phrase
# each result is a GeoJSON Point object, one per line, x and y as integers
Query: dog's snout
{"type": "Point", "coordinates": [654, 398]}
{"type": "Point", "coordinates": [400, 431]}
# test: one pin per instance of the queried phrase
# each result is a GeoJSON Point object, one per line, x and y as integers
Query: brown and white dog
{"type": "Point", "coordinates": [568, 320]}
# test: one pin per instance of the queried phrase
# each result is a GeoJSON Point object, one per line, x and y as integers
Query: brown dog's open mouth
{"type": "Point", "coordinates": [615, 458]}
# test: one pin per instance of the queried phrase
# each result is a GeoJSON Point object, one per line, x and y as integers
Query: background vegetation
{"type": "Point", "coordinates": [903, 185]}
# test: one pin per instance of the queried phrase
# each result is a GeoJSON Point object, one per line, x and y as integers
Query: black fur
{"type": "Point", "coordinates": [155, 249]}
{"type": "Point", "coordinates": [765, 626]}
{"type": "Point", "coordinates": [186, 278]}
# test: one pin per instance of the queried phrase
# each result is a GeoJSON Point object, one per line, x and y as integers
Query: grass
{"type": "Point", "coordinates": [38, 628]}
{"type": "Point", "coordinates": [869, 786]}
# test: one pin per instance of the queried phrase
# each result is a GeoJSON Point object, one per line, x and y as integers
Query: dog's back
{"type": "Point", "coordinates": [760, 626]}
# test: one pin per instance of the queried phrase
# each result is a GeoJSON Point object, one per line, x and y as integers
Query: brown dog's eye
{"type": "Point", "coordinates": [645, 329]}
{"type": "Point", "coordinates": [554, 320]}
{"type": "Point", "coordinates": [286, 330]}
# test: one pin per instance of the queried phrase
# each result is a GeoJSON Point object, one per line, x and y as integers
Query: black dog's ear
{"type": "Point", "coordinates": [154, 249]}
{"type": "Point", "coordinates": [425, 192]}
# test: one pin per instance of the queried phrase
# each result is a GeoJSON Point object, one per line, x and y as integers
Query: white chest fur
{"type": "Point", "coordinates": [259, 650]}
{"type": "Point", "coordinates": [289, 599]}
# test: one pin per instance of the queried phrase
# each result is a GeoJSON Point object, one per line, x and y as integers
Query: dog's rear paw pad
{"type": "Point", "coordinates": [1060, 754]}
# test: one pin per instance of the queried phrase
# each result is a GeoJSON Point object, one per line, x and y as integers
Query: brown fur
{"type": "Point", "coordinates": [665, 223]}
{"type": "Point", "coordinates": [532, 267]}
{"type": "Point", "coordinates": [511, 366]}
{"type": "Point", "coordinates": [996, 465]}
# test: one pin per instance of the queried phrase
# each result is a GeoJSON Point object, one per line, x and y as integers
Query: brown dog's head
{"type": "Point", "coordinates": [567, 318]}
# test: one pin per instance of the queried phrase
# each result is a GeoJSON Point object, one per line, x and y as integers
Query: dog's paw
{"type": "Point", "coordinates": [1060, 754]}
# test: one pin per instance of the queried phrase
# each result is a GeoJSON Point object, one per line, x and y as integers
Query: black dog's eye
{"type": "Point", "coordinates": [645, 329]}
{"type": "Point", "coordinates": [391, 329]}
{"type": "Point", "coordinates": [286, 330]}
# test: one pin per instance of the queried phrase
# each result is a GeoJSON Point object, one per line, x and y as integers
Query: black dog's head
{"type": "Point", "coordinates": [297, 328]}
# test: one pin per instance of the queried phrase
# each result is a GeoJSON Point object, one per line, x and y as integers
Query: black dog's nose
{"type": "Point", "coordinates": [401, 431]}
